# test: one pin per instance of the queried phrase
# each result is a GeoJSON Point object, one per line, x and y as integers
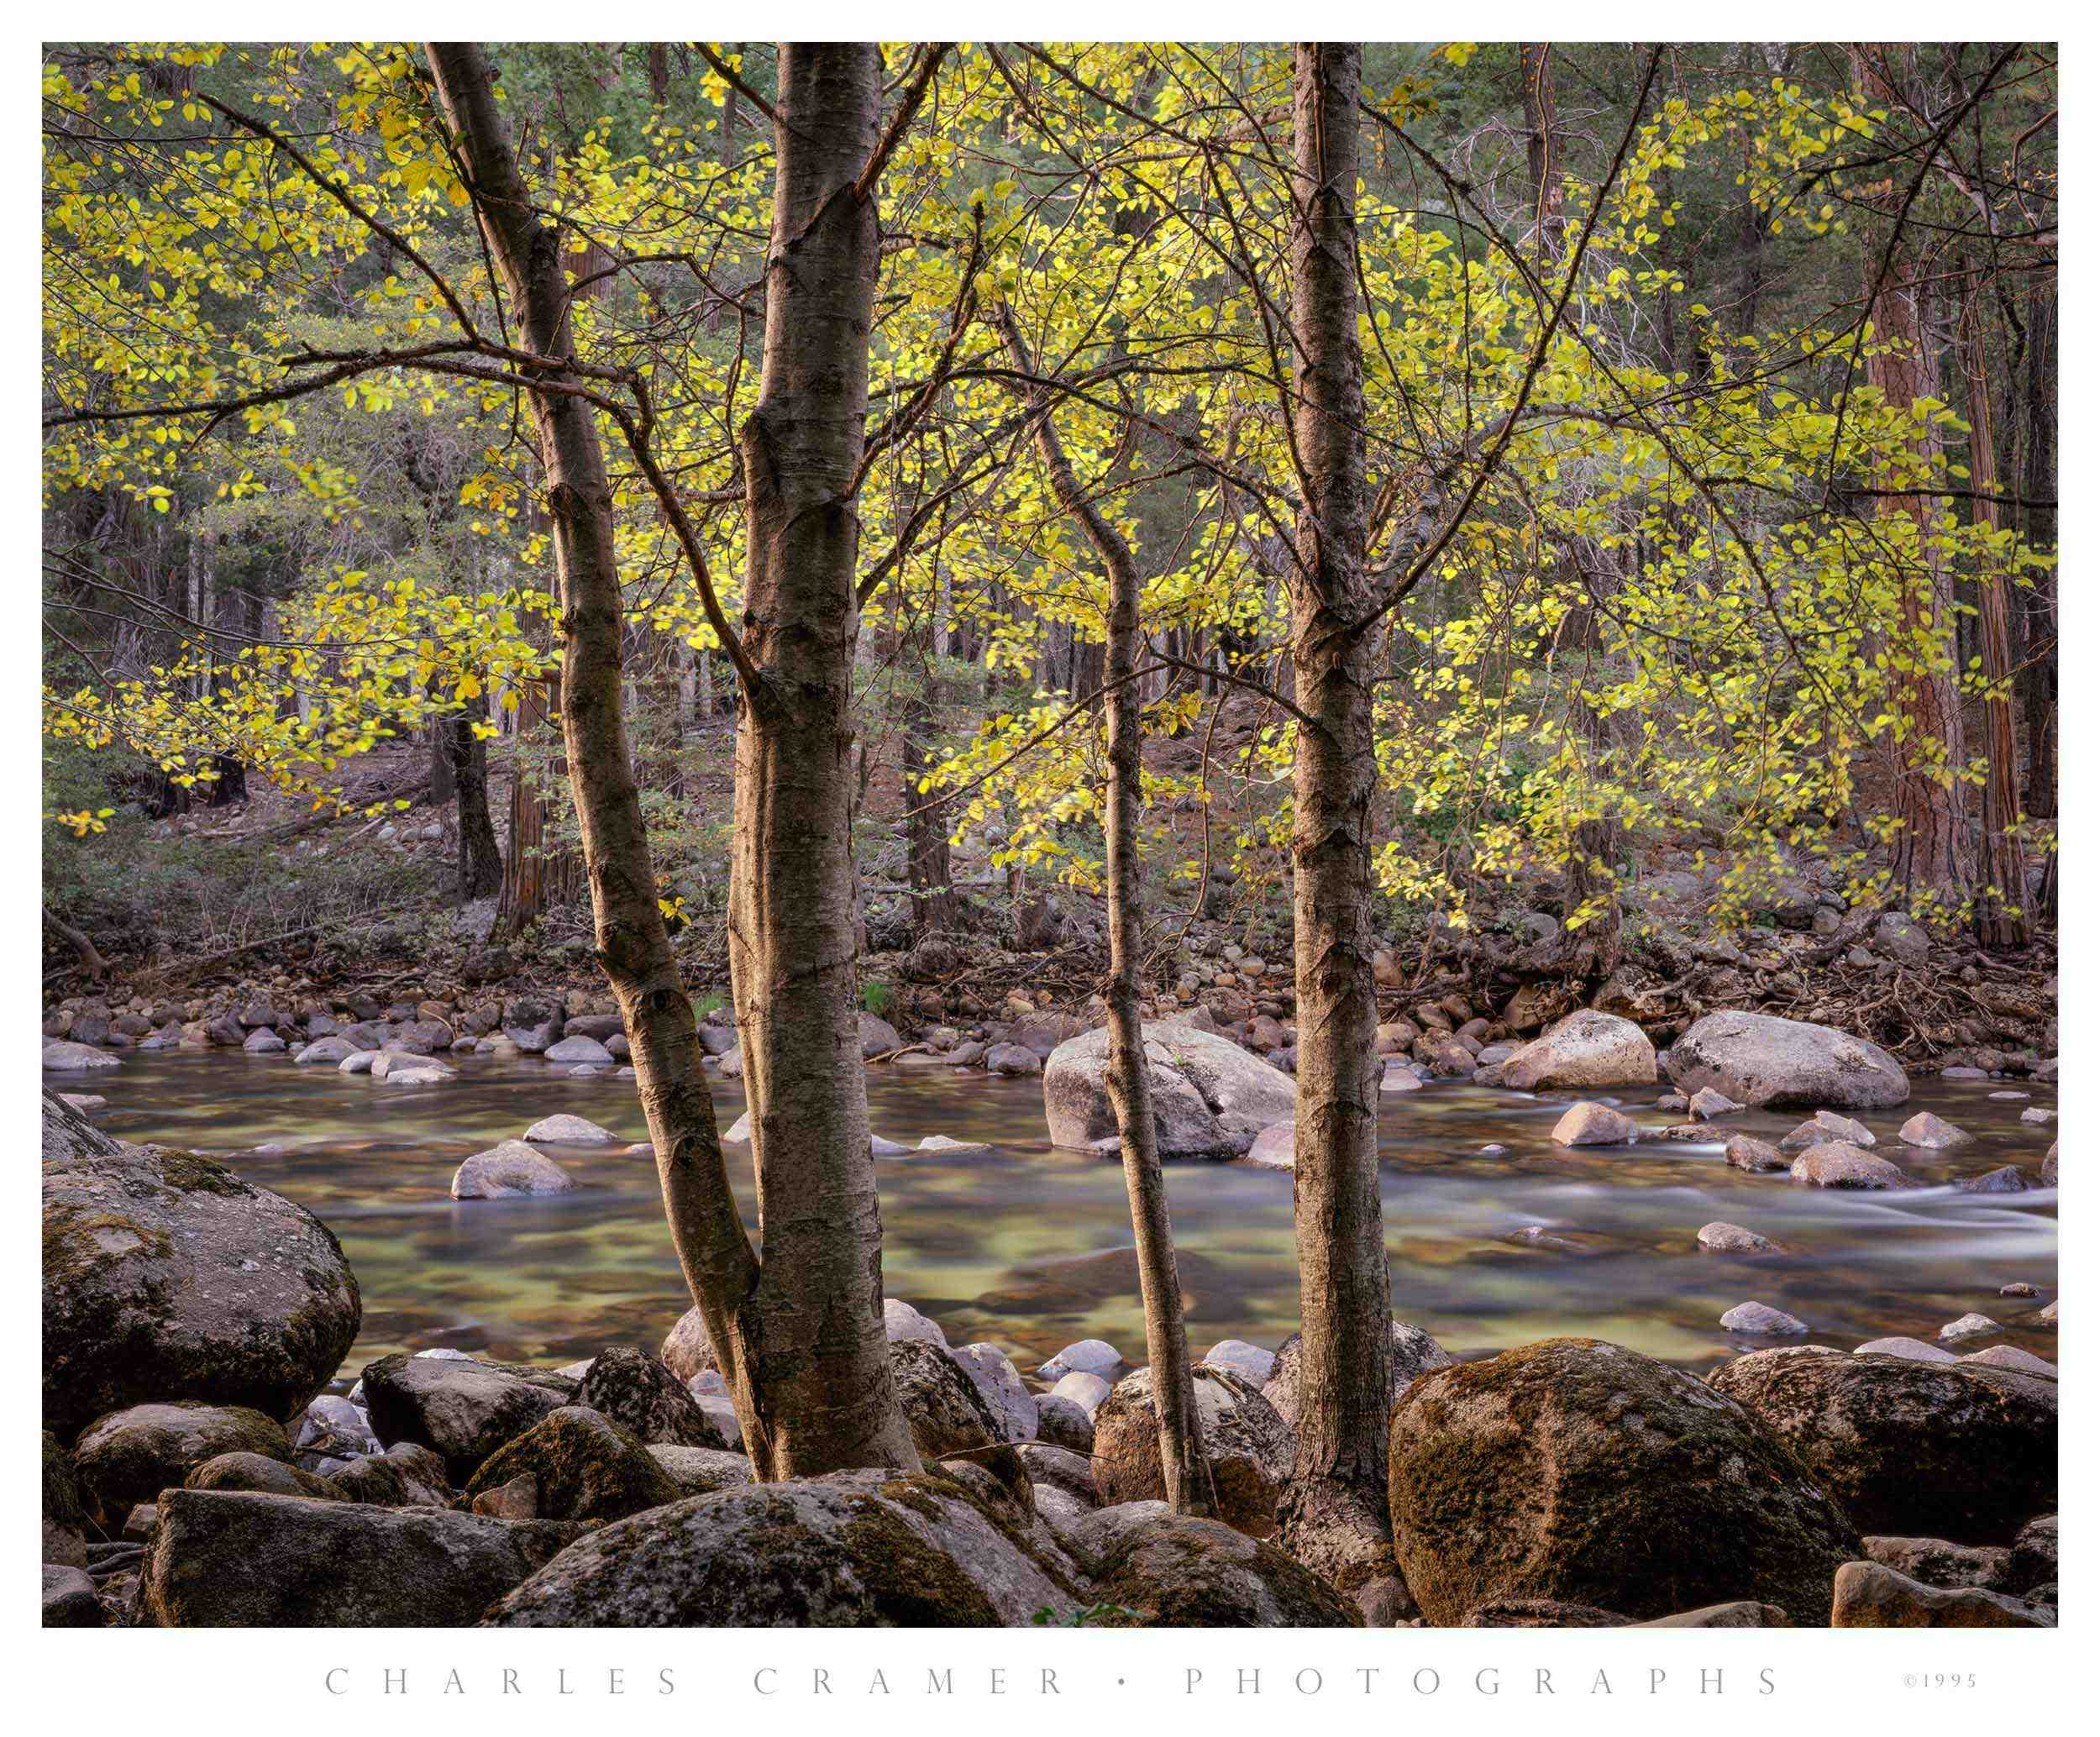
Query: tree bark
{"type": "Point", "coordinates": [480, 860]}
{"type": "Point", "coordinates": [719, 1265]}
{"type": "Point", "coordinates": [1185, 1468]}
{"type": "Point", "coordinates": [2037, 473]}
{"type": "Point", "coordinates": [1335, 1518]}
{"type": "Point", "coordinates": [2001, 900]}
{"type": "Point", "coordinates": [814, 1323]}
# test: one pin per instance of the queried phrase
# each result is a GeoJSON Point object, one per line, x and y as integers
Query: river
{"type": "Point", "coordinates": [1030, 1248]}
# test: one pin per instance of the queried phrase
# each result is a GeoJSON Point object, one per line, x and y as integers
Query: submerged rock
{"type": "Point", "coordinates": [1927, 1130]}
{"type": "Point", "coordinates": [1957, 1451]}
{"type": "Point", "coordinates": [1746, 1152]}
{"type": "Point", "coordinates": [1827, 1125]}
{"type": "Point", "coordinates": [1763, 1061]}
{"type": "Point", "coordinates": [1580, 1471]}
{"type": "Point", "coordinates": [1726, 1239]}
{"type": "Point", "coordinates": [1761, 1317]}
{"type": "Point", "coordinates": [858, 1549]}
{"type": "Point", "coordinates": [1836, 1165]}
{"type": "Point", "coordinates": [168, 1278]}
{"type": "Point", "coordinates": [227, 1559]}
{"type": "Point", "coordinates": [568, 1130]}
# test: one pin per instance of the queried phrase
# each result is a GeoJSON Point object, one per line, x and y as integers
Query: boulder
{"type": "Point", "coordinates": [62, 1058]}
{"type": "Point", "coordinates": [568, 1130]}
{"type": "Point", "coordinates": [407, 1475]}
{"type": "Point", "coordinates": [582, 1466]}
{"type": "Point", "coordinates": [2006, 1179]}
{"type": "Point", "coordinates": [1250, 1447]}
{"type": "Point", "coordinates": [263, 1041]}
{"type": "Point", "coordinates": [1210, 1098]}
{"type": "Point", "coordinates": [1836, 1165]}
{"type": "Point", "coordinates": [1746, 1153]}
{"type": "Point", "coordinates": [1706, 1104]}
{"type": "Point", "coordinates": [1869, 1596]}
{"type": "Point", "coordinates": [946, 1412]}
{"type": "Point", "coordinates": [1249, 1362]}
{"type": "Point", "coordinates": [2035, 1558]}
{"type": "Point", "coordinates": [131, 1456]}
{"type": "Point", "coordinates": [1761, 1317]}
{"type": "Point", "coordinates": [334, 1049]}
{"type": "Point", "coordinates": [1587, 1049]}
{"type": "Point", "coordinates": [1064, 1422]}
{"type": "Point", "coordinates": [240, 1558]}
{"type": "Point", "coordinates": [508, 1170]}
{"type": "Point", "coordinates": [532, 1025]}
{"type": "Point", "coordinates": [1970, 1326]}
{"type": "Point", "coordinates": [1175, 1573]}
{"type": "Point", "coordinates": [575, 1049]}
{"type": "Point", "coordinates": [1827, 1125]}
{"type": "Point", "coordinates": [1276, 1147]}
{"type": "Point", "coordinates": [1927, 1130]}
{"type": "Point", "coordinates": [878, 1037]}
{"type": "Point", "coordinates": [1093, 1356]}
{"type": "Point", "coordinates": [1012, 1059]}
{"type": "Point", "coordinates": [1415, 1354]}
{"type": "Point", "coordinates": [1742, 1613]}
{"type": "Point", "coordinates": [1766, 1062]}
{"type": "Point", "coordinates": [258, 1471]}
{"type": "Point", "coordinates": [1937, 1562]}
{"type": "Point", "coordinates": [1916, 1349]}
{"type": "Point", "coordinates": [856, 1550]}
{"type": "Point", "coordinates": [645, 1399]}
{"type": "Point", "coordinates": [69, 1598]}
{"type": "Point", "coordinates": [1726, 1239]}
{"type": "Point", "coordinates": [1085, 1389]}
{"type": "Point", "coordinates": [166, 1277]}
{"type": "Point", "coordinates": [999, 1385]}
{"type": "Point", "coordinates": [461, 1409]}
{"type": "Point", "coordinates": [1587, 1123]}
{"type": "Point", "coordinates": [1964, 1451]}
{"type": "Point", "coordinates": [1541, 1613]}
{"type": "Point", "coordinates": [702, 1470]}
{"type": "Point", "coordinates": [1580, 1471]}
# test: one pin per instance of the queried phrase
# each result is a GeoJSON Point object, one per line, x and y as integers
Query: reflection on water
{"type": "Point", "coordinates": [1030, 1248]}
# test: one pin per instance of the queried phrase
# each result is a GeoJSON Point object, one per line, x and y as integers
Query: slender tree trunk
{"type": "Point", "coordinates": [2000, 902]}
{"type": "Point", "coordinates": [1184, 1467]}
{"type": "Point", "coordinates": [815, 1319]}
{"type": "Point", "coordinates": [2038, 482]}
{"type": "Point", "coordinates": [719, 1265]}
{"type": "Point", "coordinates": [1335, 1519]}
{"type": "Point", "coordinates": [523, 893]}
{"type": "Point", "coordinates": [481, 860]}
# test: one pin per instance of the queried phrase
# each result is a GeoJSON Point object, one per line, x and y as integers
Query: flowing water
{"type": "Point", "coordinates": [1030, 1248]}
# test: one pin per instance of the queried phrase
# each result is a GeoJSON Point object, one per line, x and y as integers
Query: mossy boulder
{"type": "Point", "coordinates": [1958, 1451]}
{"type": "Point", "coordinates": [585, 1467]}
{"type": "Point", "coordinates": [1173, 1573]}
{"type": "Point", "coordinates": [241, 1559]}
{"type": "Point", "coordinates": [945, 1412]}
{"type": "Point", "coordinates": [1581, 1471]}
{"type": "Point", "coordinates": [166, 1277]}
{"type": "Point", "coordinates": [131, 1456]}
{"type": "Point", "coordinates": [1869, 1595]}
{"type": "Point", "coordinates": [858, 1549]}
{"type": "Point", "coordinates": [65, 1520]}
{"type": "Point", "coordinates": [407, 1475]}
{"type": "Point", "coordinates": [645, 1399]}
{"type": "Point", "coordinates": [462, 1408]}
{"type": "Point", "coordinates": [1250, 1447]}
{"type": "Point", "coordinates": [245, 1470]}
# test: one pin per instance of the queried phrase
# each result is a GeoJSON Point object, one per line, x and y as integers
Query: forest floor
{"type": "Point", "coordinates": [315, 909]}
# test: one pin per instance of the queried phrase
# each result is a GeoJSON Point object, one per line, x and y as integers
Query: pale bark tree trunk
{"type": "Point", "coordinates": [1335, 1518]}
{"type": "Point", "coordinates": [815, 1321]}
{"type": "Point", "coordinates": [720, 1268]}
{"type": "Point", "coordinates": [2001, 901]}
{"type": "Point", "coordinates": [1185, 1466]}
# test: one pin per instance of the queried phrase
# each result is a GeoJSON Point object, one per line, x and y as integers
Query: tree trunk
{"type": "Point", "coordinates": [523, 889]}
{"type": "Point", "coordinates": [481, 860]}
{"type": "Point", "coordinates": [2038, 482]}
{"type": "Point", "coordinates": [717, 1256]}
{"type": "Point", "coordinates": [2001, 901]}
{"type": "Point", "coordinates": [1184, 1467]}
{"type": "Point", "coordinates": [1930, 857]}
{"type": "Point", "coordinates": [815, 1321]}
{"type": "Point", "coordinates": [1335, 1519]}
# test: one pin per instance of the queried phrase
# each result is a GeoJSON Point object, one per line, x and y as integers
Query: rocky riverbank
{"type": "Point", "coordinates": [205, 1470]}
